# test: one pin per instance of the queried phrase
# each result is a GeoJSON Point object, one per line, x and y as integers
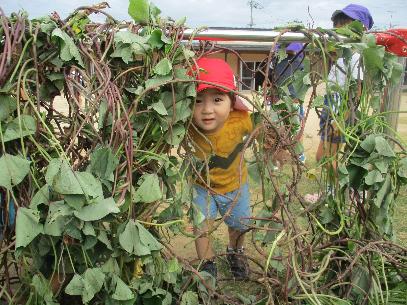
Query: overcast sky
{"type": "Point", "coordinates": [232, 13]}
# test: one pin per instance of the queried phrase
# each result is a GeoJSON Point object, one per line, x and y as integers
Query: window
{"type": "Point", "coordinates": [247, 75]}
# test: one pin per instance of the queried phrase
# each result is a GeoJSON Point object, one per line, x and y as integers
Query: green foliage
{"type": "Point", "coordinates": [14, 170]}
{"type": "Point", "coordinates": [98, 188]}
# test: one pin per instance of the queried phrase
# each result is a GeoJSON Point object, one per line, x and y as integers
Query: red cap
{"type": "Point", "coordinates": [215, 70]}
{"type": "Point", "coordinates": [218, 71]}
{"type": "Point", "coordinates": [394, 41]}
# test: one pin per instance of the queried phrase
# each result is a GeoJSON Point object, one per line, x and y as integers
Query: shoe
{"type": "Point", "coordinates": [237, 263]}
{"type": "Point", "coordinates": [209, 267]}
{"type": "Point", "coordinates": [302, 158]}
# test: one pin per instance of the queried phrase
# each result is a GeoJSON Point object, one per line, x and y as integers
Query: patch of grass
{"type": "Point", "coordinates": [400, 216]}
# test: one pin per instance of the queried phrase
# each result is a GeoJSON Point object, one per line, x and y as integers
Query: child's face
{"type": "Point", "coordinates": [212, 108]}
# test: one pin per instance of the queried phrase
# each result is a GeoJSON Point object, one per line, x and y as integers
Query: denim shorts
{"type": "Point", "coordinates": [209, 205]}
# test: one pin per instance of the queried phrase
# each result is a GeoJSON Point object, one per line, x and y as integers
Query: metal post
{"type": "Point", "coordinates": [220, 35]}
{"type": "Point", "coordinates": [392, 101]}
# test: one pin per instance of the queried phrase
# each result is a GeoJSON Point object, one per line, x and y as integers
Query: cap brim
{"type": "Point", "coordinates": [240, 105]}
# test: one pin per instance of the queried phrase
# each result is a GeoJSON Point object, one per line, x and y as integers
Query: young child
{"type": "Point", "coordinates": [217, 134]}
{"type": "Point", "coordinates": [331, 138]}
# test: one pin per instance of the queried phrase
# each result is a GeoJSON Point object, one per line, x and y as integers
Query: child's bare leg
{"type": "Point", "coordinates": [203, 244]}
{"type": "Point", "coordinates": [236, 238]}
{"type": "Point", "coordinates": [328, 149]}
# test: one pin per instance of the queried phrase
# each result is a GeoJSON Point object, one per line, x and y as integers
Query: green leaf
{"type": "Point", "coordinates": [382, 165]}
{"type": "Point", "coordinates": [370, 40]}
{"type": "Point", "coordinates": [343, 175]}
{"type": "Point", "coordinates": [27, 226]}
{"type": "Point", "coordinates": [373, 59]}
{"type": "Point", "coordinates": [68, 49]}
{"type": "Point", "coordinates": [55, 223]}
{"type": "Point", "coordinates": [61, 178]}
{"type": "Point", "coordinates": [326, 215]}
{"type": "Point", "coordinates": [157, 39]}
{"type": "Point", "coordinates": [157, 81]}
{"type": "Point", "coordinates": [163, 67]}
{"type": "Point", "coordinates": [93, 279]}
{"type": "Point", "coordinates": [318, 101]}
{"type": "Point", "coordinates": [105, 240]}
{"type": "Point", "coordinates": [135, 239]}
{"type": "Point", "coordinates": [89, 184]}
{"type": "Point", "coordinates": [13, 170]}
{"type": "Point", "coordinates": [383, 191]}
{"type": "Point", "coordinates": [122, 291]}
{"type": "Point", "coordinates": [159, 108]}
{"type": "Point", "coordinates": [402, 168]}
{"type": "Point", "coordinates": [88, 229]}
{"type": "Point", "coordinates": [189, 298]}
{"type": "Point", "coordinates": [65, 181]}
{"type": "Point", "coordinates": [123, 52]}
{"type": "Point", "coordinates": [149, 189]}
{"type": "Point", "coordinates": [75, 201]}
{"type": "Point", "coordinates": [139, 10]}
{"type": "Point", "coordinates": [8, 104]}
{"type": "Point", "coordinates": [75, 286]}
{"type": "Point", "coordinates": [175, 135]}
{"type": "Point", "coordinates": [28, 127]}
{"type": "Point", "coordinates": [369, 143]}
{"type": "Point", "coordinates": [41, 197]}
{"type": "Point", "coordinates": [43, 289]}
{"type": "Point", "coordinates": [373, 177]}
{"type": "Point", "coordinates": [86, 285]}
{"type": "Point", "coordinates": [173, 266]}
{"type": "Point", "coordinates": [98, 210]}
{"type": "Point", "coordinates": [103, 163]}
{"type": "Point", "coordinates": [383, 147]}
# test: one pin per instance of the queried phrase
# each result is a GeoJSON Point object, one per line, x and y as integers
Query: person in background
{"type": "Point", "coordinates": [339, 75]}
{"type": "Point", "coordinates": [217, 135]}
{"type": "Point", "coordinates": [282, 73]}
